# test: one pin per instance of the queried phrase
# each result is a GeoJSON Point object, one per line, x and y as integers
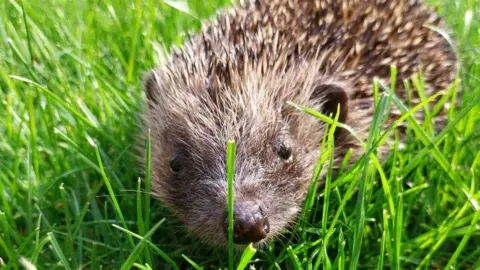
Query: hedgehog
{"type": "Point", "coordinates": [235, 79]}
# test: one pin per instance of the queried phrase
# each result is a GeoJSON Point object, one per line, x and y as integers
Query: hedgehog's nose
{"type": "Point", "coordinates": [249, 223]}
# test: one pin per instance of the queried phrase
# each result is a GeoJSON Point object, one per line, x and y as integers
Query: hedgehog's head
{"type": "Point", "coordinates": [191, 118]}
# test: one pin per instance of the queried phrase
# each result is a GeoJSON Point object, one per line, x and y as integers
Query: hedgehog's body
{"type": "Point", "coordinates": [233, 80]}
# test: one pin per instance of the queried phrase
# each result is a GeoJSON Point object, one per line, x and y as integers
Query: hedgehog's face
{"type": "Point", "coordinates": [277, 148]}
{"type": "Point", "coordinates": [270, 180]}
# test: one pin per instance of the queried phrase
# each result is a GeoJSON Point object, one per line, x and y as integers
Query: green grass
{"type": "Point", "coordinates": [70, 194]}
{"type": "Point", "coordinates": [230, 168]}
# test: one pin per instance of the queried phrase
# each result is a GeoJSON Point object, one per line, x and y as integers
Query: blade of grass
{"type": "Point", "coordinates": [326, 119]}
{"type": "Point", "coordinates": [148, 181]}
{"type": "Point", "coordinates": [463, 243]}
{"type": "Point", "coordinates": [152, 245]}
{"type": "Point", "coordinates": [26, 264]}
{"type": "Point", "coordinates": [442, 135]}
{"type": "Point", "coordinates": [6, 229]}
{"type": "Point", "coordinates": [398, 227]}
{"type": "Point", "coordinates": [27, 30]}
{"type": "Point", "coordinates": [443, 233]}
{"type": "Point", "coordinates": [56, 98]}
{"type": "Point", "coordinates": [142, 267]}
{"type": "Point", "coordinates": [386, 230]}
{"type": "Point", "coordinates": [112, 193]}
{"type": "Point", "coordinates": [134, 39]}
{"type": "Point", "coordinates": [330, 146]}
{"type": "Point", "coordinates": [230, 175]}
{"type": "Point", "coordinates": [296, 262]}
{"type": "Point", "coordinates": [377, 121]}
{"type": "Point", "coordinates": [148, 189]}
{"type": "Point", "coordinates": [69, 243]}
{"type": "Point", "coordinates": [38, 248]}
{"type": "Point", "coordinates": [6, 249]}
{"type": "Point", "coordinates": [382, 251]}
{"type": "Point", "coordinates": [192, 263]}
{"type": "Point", "coordinates": [138, 248]}
{"type": "Point", "coordinates": [33, 157]}
{"type": "Point", "coordinates": [439, 157]}
{"type": "Point", "coordinates": [247, 255]}
{"type": "Point", "coordinates": [140, 222]}
{"type": "Point", "coordinates": [312, 191]}
{"type": "Point", "coordinates": [58, 250]}
{"type": "Point", "coordinates": [85, 208]}
{"type": "Point", "coordinates": [341, 250]}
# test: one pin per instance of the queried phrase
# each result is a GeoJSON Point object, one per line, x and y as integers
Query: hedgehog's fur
{"type": "Point", "coordinates": [232, 81]}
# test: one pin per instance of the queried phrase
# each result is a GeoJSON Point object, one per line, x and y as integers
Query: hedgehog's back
{"type": "Point", "coordinates": [355, 39]}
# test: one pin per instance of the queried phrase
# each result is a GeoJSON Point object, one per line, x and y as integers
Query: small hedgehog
{"type": "Point", "coordinates": [233, 80]}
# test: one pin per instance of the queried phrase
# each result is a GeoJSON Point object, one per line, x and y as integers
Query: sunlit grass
{"type": "Point", "coordinates": [73, 192]}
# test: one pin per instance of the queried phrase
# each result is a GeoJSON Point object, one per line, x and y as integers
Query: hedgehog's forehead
{"type": "Point", "coordinates": [230, 114]}
{"type": "Point", "coordinates": [236, 105]}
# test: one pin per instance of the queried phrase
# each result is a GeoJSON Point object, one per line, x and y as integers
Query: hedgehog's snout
{"type": "Point", "coordinates": [250, 225]}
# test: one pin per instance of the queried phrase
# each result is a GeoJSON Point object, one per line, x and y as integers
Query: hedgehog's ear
{"type": "Point", "coordinates": [150, 82]}
{"type": "Point", "coordinates": [327, 96]}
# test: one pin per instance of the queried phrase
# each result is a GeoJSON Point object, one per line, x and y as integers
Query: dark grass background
{"type": "Point", "coordinates": [71, 84]}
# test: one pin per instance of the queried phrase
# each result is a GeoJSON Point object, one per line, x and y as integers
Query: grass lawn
{"type": "Point", "coordinates": [72, 193]}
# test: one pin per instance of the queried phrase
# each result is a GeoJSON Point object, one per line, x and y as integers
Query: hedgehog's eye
{"type": "Point", "coordinates": [284, 152]}
{"type": "Point", "coordinates": [176, 163]}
